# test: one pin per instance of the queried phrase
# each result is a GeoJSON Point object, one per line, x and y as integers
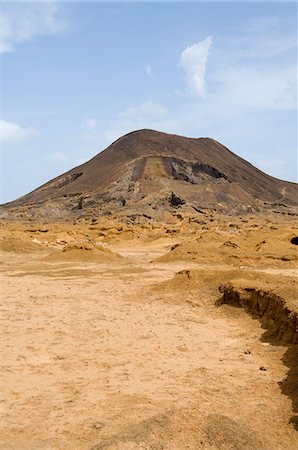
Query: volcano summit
{"type": "Point", "coordinates": [146, 170]}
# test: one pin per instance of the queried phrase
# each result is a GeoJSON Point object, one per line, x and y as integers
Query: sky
{"type": "Point", "coordinates": [75, 76]}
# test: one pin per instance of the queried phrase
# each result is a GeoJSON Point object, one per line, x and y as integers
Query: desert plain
{"type": "Point", "coordinates": [176, 335]}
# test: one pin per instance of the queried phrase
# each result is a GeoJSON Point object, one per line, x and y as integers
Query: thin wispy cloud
{"type": "Point", "coordinates": [58, 158]}
{"type": "Point", "coordinates": [89, 128]}
{"type": "Point", "coordinates": [271, 23]}
{"type": "Point", "coordinates": [148, 114]}
{"type": "Point", "coordinates": [148, 71]}
{"type": "Point", "coordinates": [194, 60]}
{"type": "Point", "coordinates": [145, 110]}
{"type": "Point", "coordinates": [21, 22]}
{"type": "Point", "coordinates": [254, 87]}
{"type": "Point", "coordinates": [262, 38]}
{"type": "Point", "coordinates": [267, 47]}
{"type": "Point", "coordinates": [90, 124]}
{"type": "Point", "coordinates": [13, 133]}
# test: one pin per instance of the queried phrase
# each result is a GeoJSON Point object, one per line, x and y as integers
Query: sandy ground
{"type": "Point", "coordinates": [98, 356]}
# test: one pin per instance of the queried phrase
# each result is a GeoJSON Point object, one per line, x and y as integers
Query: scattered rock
{"type": "Point", "coordinates": [175, 201]}
{"type": "Point", "coordinates": [98, 425]}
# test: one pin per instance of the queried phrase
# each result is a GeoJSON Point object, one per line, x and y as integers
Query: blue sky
{"type": "Point", "coordinates": [76, 76]}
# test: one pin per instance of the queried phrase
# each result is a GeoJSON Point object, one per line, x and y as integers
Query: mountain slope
{"type": "Point", "coordinates": [143, 168]}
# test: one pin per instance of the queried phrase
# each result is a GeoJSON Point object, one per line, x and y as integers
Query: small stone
{"type": "Point", "coordinates": [98, 425]}
{"type": "Point", "coordinates": [263, 368]}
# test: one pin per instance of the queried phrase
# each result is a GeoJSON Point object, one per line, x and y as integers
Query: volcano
{"type": "Point", "coordinates": [147, 170]}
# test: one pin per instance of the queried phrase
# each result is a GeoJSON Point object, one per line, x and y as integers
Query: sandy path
{"type": "Point", "coordinates": [87, 352]}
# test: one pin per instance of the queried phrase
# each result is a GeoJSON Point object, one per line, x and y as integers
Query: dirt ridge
{"type": "Point", "coordinates": [270, 308]}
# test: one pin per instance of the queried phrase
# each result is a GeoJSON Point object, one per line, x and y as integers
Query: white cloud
{"type": "Point", "coordinates": [13, 133]}
{"type": "Point", "coordinates": [194, 62]}
{"type": "Point", "coordinates": [148, 70]}
{"type": "Point", "coordinates": [22, 22]}
{"type": "Point", "coordinates": [58, 157]}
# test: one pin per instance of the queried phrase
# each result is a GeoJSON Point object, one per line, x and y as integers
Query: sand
{"type": "Point", "coordinates": [133, 349]}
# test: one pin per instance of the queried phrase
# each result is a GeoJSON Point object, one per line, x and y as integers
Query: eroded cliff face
{"type": "Point", "coordinates": [279, 317]}
{"type": "Point", "coordinates": [275, 314]}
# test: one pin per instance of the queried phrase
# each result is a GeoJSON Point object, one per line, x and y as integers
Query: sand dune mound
{"type": "Point", "coordinates": [200, 287]}
{"type": "Point", "coordinates": [209, 247]}
{"type": "Point", "coordinates": [178, 430]}
{"type": "Point", "coordinates": [246, 248]}
{"type": "Point", "coordinates": [184, 251]}
{"type": "Point", "coordinates": [18, 245]}
{"type": "Point", "coordinates": [85, 251]}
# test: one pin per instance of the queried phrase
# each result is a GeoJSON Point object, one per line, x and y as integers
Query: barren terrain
{"type": "Point", "coordinates": [175, 336]}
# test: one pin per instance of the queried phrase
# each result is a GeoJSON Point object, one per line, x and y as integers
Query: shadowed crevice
{"type": "Point", "coordinates": [281, 325]}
